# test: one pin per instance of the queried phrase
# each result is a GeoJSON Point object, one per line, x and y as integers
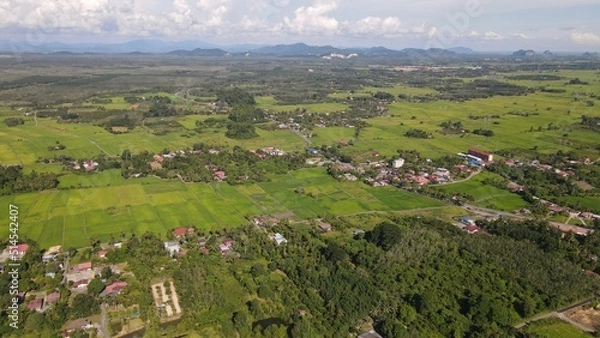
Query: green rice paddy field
{"type": "Point", "coordinates": [25, 144]}
{"type": "Point", "coordinates": [105, 204]}
{"type": "Point", "coordinates": [486, 195]}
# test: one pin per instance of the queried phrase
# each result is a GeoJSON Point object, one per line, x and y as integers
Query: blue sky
{"type": "Point", "coordinates": [505, 25]}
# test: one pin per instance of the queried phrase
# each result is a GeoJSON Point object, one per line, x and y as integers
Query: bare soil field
{"type": "Point", "coordinates": [587, 317]}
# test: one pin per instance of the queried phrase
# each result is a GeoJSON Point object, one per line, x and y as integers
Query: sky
{"type": "Point", "coordinates": [485, 25]}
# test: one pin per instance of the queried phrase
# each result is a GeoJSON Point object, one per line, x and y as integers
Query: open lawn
{"type": "Point", "coordinates": [486, 195]}
{"type": "Point", "coordinates": [555, 328]}
{"type": "Point", "coordinates": [105, 205]}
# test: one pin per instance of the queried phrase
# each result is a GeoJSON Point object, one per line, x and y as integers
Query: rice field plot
{"type": "Point", "coordinates": [111, 177]}
{"type": "Point", "coordinates": [544, 110]}
{"type": "Point", "coordinates": [397, 199]}
{"type": "Point", "coordinates": [52, 232]}
{"type": "Point", "coordinates": [486, 195]}
{"type": "Point", "coordinates": [74, 234]}
{"type": "Point", "coordinates": [331, 135]}
{"type": "Point", "coordinates": [269, 103]}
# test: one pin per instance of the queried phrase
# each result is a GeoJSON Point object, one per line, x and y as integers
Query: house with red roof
{"type": "Point", "coordinates": [86, 266]}
{"type": "Point", "coordinates": [81, 284]}
{"type": "Point", "coordinates": [53, 297]}
{"type": "Point", "coordinates": [102, 253]}
{"type": "Point", "coordinates": [114, 288]}
{"type": "Point", "coordinates": [181, 232]}
{"type": "Point", "coordinates": [19, 250]}
{"type": "Point", "coordinates": [36, 304]}
{"type": "Point", "coordinates": [472, 229]}
{"type": "Point", "coordinates": [220, 175]}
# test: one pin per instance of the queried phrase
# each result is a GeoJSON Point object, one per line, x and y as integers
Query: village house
{"type": "Point", "coordinates": [324, 226]}
{"type": "Point", "coordinates": [36, 304]}
{"type": "Point", "coordinates": [102, 253]}
{"type": "Point", "coordinates": [398, 163]}
{"type": "Point", "coordinates": [220, 175]}
{"type": "Point", "coordinates": [472, 229]}
{"type": "Point", "coordinates": [181, 232]}
{"type": "Point", "coordinates": [86, 266]}
{"type": "Point", "coordinates": [279, 239]}
{"type": "Point", "coordinates": [19, 251]}
{"type": "Point", "coordinates": [81, 284]}
{"type": "Point", "coordinates": [53, 298]}
{"type": "Point", "coordinates": [114, 289]}
{"type": "Point", "coordinates": [513, 187]}
{"type": "Point", "coordinates": [173, 247]}
{"type": "Point", "coordinates": [224, 249]}
{"type": "Point", "coordinates": [265, 221]}
{"type": "Point", "coordinates": [51, 254]}
{"type": "Point", "coordinates": [90, 165]}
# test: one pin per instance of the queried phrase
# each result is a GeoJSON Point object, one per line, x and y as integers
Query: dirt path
{"type": "Point", "coordinates": [560, 314]}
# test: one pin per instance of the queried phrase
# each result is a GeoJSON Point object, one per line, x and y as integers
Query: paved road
{"type": "Point", "coordinates": [104, 323]}
{"type": "Point", "coordinates": [306, 139]}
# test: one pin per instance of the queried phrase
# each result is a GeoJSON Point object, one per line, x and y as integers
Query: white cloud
{"type": "Point", "coordinates": [585, 38]}
{"type": "Point", "coordinates": [398, 22]}
{"type": "Point", "coordinates": [519, 36]}
{"type": "Point", "coordinates": [492, 36]}
{"type": "Point", "coordinates": [312, 20]}
{"type": "Point", "coordinates": [377, 26]}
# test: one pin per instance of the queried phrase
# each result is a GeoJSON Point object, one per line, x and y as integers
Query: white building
{"type": "Point", "coordinates": [398, 163]}
{"type": "Point", "coordinates": [279, 239]}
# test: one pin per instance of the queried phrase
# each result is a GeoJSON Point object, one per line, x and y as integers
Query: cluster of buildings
{"type": "Point", "coordinates": [175, 248]}
{"type": "Point", "coordinates": [77, 276]}
{"type": "Point", "coordinates": [393, 174]}
{"type": "Point", "coordinates": [88, 165]}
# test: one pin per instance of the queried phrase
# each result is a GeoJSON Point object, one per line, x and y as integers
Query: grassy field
{"type": "Point", "coordinates": [396, 90]}
{"type": "Point", "coordinates": [25, 144]}
{"type": "Point", "coordinates": [271, 104]}
{"type": "Point", "coordinates": [105, 205]}
{"type": "Point", "coordinates": [386, 134]}
{"type": "Point", "coordinates": [555, 328]}
{"type": "Point", "coordinates": [486, 195]}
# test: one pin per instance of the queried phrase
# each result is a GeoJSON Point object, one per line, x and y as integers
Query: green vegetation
{"type": "Point", "coordinates": [554, 328]}
{"type": "Point", "coordinates": [80, 210]}
{"type": "Point", "coordinates": [221, 124]}
{"type": "Point", "coordinates": [486, 195]}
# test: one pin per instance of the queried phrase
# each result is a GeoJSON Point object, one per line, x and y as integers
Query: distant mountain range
{"type": "Point", "coordinates": [198, 48]}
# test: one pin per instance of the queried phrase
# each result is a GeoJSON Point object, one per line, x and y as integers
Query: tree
{"type": "Point", "coordinates": [384, 235]}
{"type": "Point", "coordinates": [83, 306]}
{"type": "Point", "coordinates": [258, 269]}
{"type": "Point", "coordinates": [240, 130]}
{"type": "Point", "coordinates": [95, 287]}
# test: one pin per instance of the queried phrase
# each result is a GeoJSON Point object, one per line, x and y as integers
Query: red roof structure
{"type": "Point", "coordinates": [36, 304]}
{"type": "Point", "coordinates": [53, 297]}
{"type": "Point", "coordinates": [114, 288]}
{"type": "Point", "coordinates": [83, 267]}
